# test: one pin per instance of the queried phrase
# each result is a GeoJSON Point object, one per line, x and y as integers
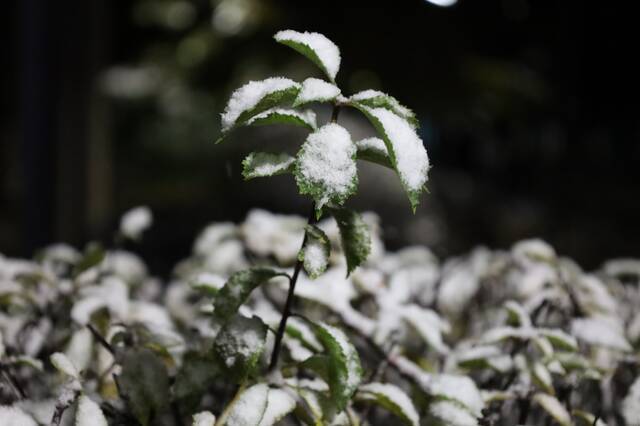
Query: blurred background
{"type": "Point", "coordinates": [528, 111]}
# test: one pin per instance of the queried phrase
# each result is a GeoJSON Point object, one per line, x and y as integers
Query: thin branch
{"type": "Point", "coordinates": [101, 339]}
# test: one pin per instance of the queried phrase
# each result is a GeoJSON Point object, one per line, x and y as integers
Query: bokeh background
{"type": "Point", "coordinates": [528, 110]}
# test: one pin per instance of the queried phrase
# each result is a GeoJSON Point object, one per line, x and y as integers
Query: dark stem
{"type": "Point", "coordinates": [13, 382]}
{"type": "Point", "coordinates": [61, 407]}
{"type": "Point", "coordinates": [286, 313]}
{"type": "Point", "coordinates": [524, 405]}
{"type": "Point", "coordinates": [100, 339]}
{"type": "Point", "coordinates": [334, 113]}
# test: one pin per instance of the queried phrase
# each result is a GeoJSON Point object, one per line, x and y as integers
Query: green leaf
{"type": "Point", "coordinates": [64, 365]}
{"type": "Point", "coordinates": [247, 408]}
{"type": "Point", "coordinates": [93, 256]}
{"type": "Point", "coordinates": [373, 150]}
{"type": "Point", "coordinates": [144, 382]}
{"type": "Point", "coordinates": [343, 363]}
{"type": "Point", "coordinates": [555, 409]}
{"type": "Point", "coordinates": [392, 398]}
{"type": "Point", "coordinates": [517, 314]}
{"type": "Point", "coordinates": [354, 233]}
{"type": "Point", "coordinates": [315, 253]}
{"type": "Point", "coordinates": [305, 118]}
{"type": "Point", "coordinates": [239, 345]}
{"type": "Point", "coordinates": [481, 357]}
{"type": "Point", "coordinates": [316, 90]}
{"type": "Point", "coordinates": [263, 164]}
{"type": "Point", "coordinates": [326, 166]}
{"type": "Point", "coordinates": [316, 47]}
{"type": "Point", "coordinates": [542, 377]}
{"type": "Point", "coordinates": [559, 338]}
{"type": "Point", "coordinates": [254, 98]}
{"type": "Point", "coordinates": [238, 288]}
{"type": "Point", "coordinates": [405, 149]}
{"type": "Point", "coordinates": [197, 373]}
{"type": "Point", "coordinates": [377, 99]}
{"type": "Point", "coordinates": [450, 413]}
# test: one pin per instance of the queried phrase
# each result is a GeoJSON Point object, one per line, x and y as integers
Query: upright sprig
{"type": "Point", "coordinates": [324, 168]}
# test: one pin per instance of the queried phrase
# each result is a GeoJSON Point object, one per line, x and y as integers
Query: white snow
{"type": "Point", "coordinates": [135, 221]}
{"type": "Point", "coordinates": [262, 164]}
{"type": "Point", "coordinates": [316, 90]}
{"type": "Point", "coordinates": [315, 258]}
{"type": "Point", "coordinates": [327, 160]}
{"type": "Point", "coordinates": [375, 145]}
{"type": "Point", "coordinates": [307, 116]}
{"type": "Point", "coordinates": [212, 236]}
{"type": "Point", "coordinates": [397, 396]}
{"type": "Point", "coordinates": [80, 348]}
{"type": "Point", "coordinates": [631, 403]}
{"type": "Point", "coordinates": [204, 418]}
{"type": "Point", "coordinates": [89, 413]}
{"type": "Point", "coordinates": [266, 233]}
{"type": "Point", "coordinates": [249, 407]}
{"type": "Point", "coordinates": [459, 388]}
{"type": "Point", "coordinates": [279, 404]}
{"type": "Point", "coordinates": [411, 159]}
{"type": "Point", "coordinates": [553, 407]}
{"type": "Point", "coordinates": [601, 331]}
{"type": "Point", "coordinates": [326, 51]}
{"type": "Point", "coordinates": [429, 325]}
{"type": "Point", "coordinates": [64, 365]}
{"type": "Point", "coordinates": [394, 104]}
{"type": "Point", "coordinates": [12, 416]}
{"type": "Point", "coordinates": [452, 414]}
{"type": "Point", "coordinates": [248, 96]}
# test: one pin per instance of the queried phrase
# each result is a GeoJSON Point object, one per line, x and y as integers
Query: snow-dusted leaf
{"type": "Point", "coordinates": [378, 99]}
{"type": "Point", "coordinates": [542, 377]}
{"type": "Point", "coordinates": [499, 334]}
{"type": "Point", "coordinates": [355, 237]}
{"type": "Point", "coordinates": [204, 418]}
{"type": "Point", "coordinates": [601, 331]}
{"type": "Point", "coordinates": [94, 255]}
{"type": "Point", "coordinates": [374, 150]}
{"type": "Point", "coordinates": [316, 47]}
{"type": "Point", "coordinates": [316, 90]}
{"type": "Point", "coordinates": [315, 253]}
{"type": "Point", "coordinates": [544, 345]}
{"type": "Point", "coordinates": [559, 338]}
{"type": "Point", "coordinates": [305, 118]}
{"type": "Point", "coordinates": [517, 314]}
{"type": "Point", "coordinates": [459, 389]}
{"type": "Point", "coordinates": [326, 166]}
{"type": "Point", "coordinates": [554, 407]}
{"type": "Point", "coordinates": [448, 413]}
{"type": "Point", "coordinates": [13, 416]}
{"type": "Point", "coordinates": [481, 357]}
{"type": "Point", "coordinates": [64, 365]}
{"type": "Point", "coordinates": [343, 363]}
{"type": "Point", "coordinates": [237, 289]}
{"type": "Point", "coordinates": [135, 221]}
{"type": "Point", "coordinates": [263, 164]}
{"type": "Point", "coordinates": [256, 97]}
{"type": "Point", "coordinates": [279, 404]}
{"type": "Point", "coordinates": [144, 381]}
{"type": "Point", "coordinates": [239, 345]}
{"type": "Point", "coordinates": [404, 147]}
{"type": "Point", "coordinates": [89, 413]}
{"type": "Point", "coordinates": [392, 398]}
{"type": "Point", "coordinates": [631, 403]}
{"type": "Point", "coordinates": [247, 408]}
{"type": "Point", "coordinates": [429, 326]}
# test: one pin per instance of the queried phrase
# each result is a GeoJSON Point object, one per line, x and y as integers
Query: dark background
{"type": "Point", "coordinates": [528, 111]}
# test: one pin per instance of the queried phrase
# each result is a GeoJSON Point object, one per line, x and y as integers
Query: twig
{"type": "Point", "coordinates": [101, 339]}
{"type": "Point", "coordinates": [13, 382]}
{"type": "Point", "coordinates": [65, 400]}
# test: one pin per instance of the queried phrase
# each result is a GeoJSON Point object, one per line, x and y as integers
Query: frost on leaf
{"type": "Point", "coordinates": [238, 288]}
{"type": "Point", "coordinates": [631, 403]}
{"type": "Point", "coordinates": [377, 99]}
{"type": "Point", "coordinates": [554, 407]}
{"type": "Point", "coordinates": [64, 365]}
{"type": "Point", "coordinates": [316, 90]}
{"type": "Point", "coordinates": [279, 404]}
{"type": "Point", "coordinates": [342, 365]}
{"type": "Point", "coordinates": [316, 47]}
{"type": "Point", "coordinates": [326, 166]}
{"type": "Point", "coordinates": [448, 413]}
{"type": "Point", "coordinates": [392, 398]}
{"type": "Point", "coordinates": [240, 343]}
{"type": "Point", "coordinates": [315, 253]}
{"type": "Point", "coordinates": [354, 236]}
{"type": "Point", "coordinates": [264, 164]}
{"type": "Point", "coordinates": [247, 408]}
{"type": "Point", "coordinates": [305, 118]}
{"type": "Point", "coordinates": [374, 150]}
{"type": "Point", "coordinates": [89, 413]}
{"type": "Point", "coordinates": [256, 97]}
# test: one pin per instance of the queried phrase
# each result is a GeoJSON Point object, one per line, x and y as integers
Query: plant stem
{"type": "Point", "coordinates": [286, 313]}
{"type": "Point", "coordinates": [334, 113]}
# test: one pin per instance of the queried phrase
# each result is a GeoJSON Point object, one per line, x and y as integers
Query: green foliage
{"type": "Point", "coordinates": [239, 345]}
{"type": "Point", "coordinates": [354, 233]}
{"type": "Point", "coordinates": [264, 164]}
{"type": "Point", "coordinates": [315, 252]}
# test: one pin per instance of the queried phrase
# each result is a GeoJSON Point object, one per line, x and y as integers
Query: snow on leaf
{"type": "Point", "coordinates": [374, 150]}
{"type": "Point", "coordinates": [343, 363]}
{"type": "Point", "coordinates": [448, 413]}
{"type": "Point", "coordinates": [631, 403]}
{"type": "Point", "coordinates": [13, 416]}
{"type": "Point", "coordinates": [263, 164]}
{"type": "Point", "coordinates": [554, 407]}
{"type": "Point", "coordinates": [240, 343]}
{"type": "Point", "coordinates": [305, 118]}
{"type": "Point", "coordinates": [499, 334]}
{"type": "Point", "coordinates": [315, 253]}
{"type": "Point", "coordinates": [316, 90]}
{"type": "Point", "coordinates": [601, 331]}
{"type": "Point", "coordinates": [405, 149]}
{"type": "Point", "coordinates": [256, 97]}
{"type": "Point", "coordinates": [460, 389]}
{"type": "Point", "coordinates": [392, 398]}
{"type": "Point", "coordinates": [279, 404]}
{"type": "Point", "coordinates": [237, 289]}
{"type": "Point", "coordinates": [485, 357]}
{"type": "Point", "coordinates": [135, 221]}
{"type": "Point", "coordinates": [517, 314]}
{"type": "Point", "coordinates": [204, 418]}
{"type": "Point", "coordinates": [326, 166]}
{"type": "Point", "coordinates": [267, 234]}
{"type": "Point", "coordinates": [429, 326]}
{"type": "Point", "coordinates": [247, 408]}
{"type": "Point", "coordinates": [559, 338]}
{"type": "Point", "coordinates": [354, 235]}
{"type": "Point", "coordinates": [316, 47]}
{"type": "Point", "coordinates": [542, 377]}
{"type": "Point", "coordinates": [377, 99]}
{"type": "Point", "coordinates": [64, 365]}
{"type": "Point", "coordinates": [89, 413]}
